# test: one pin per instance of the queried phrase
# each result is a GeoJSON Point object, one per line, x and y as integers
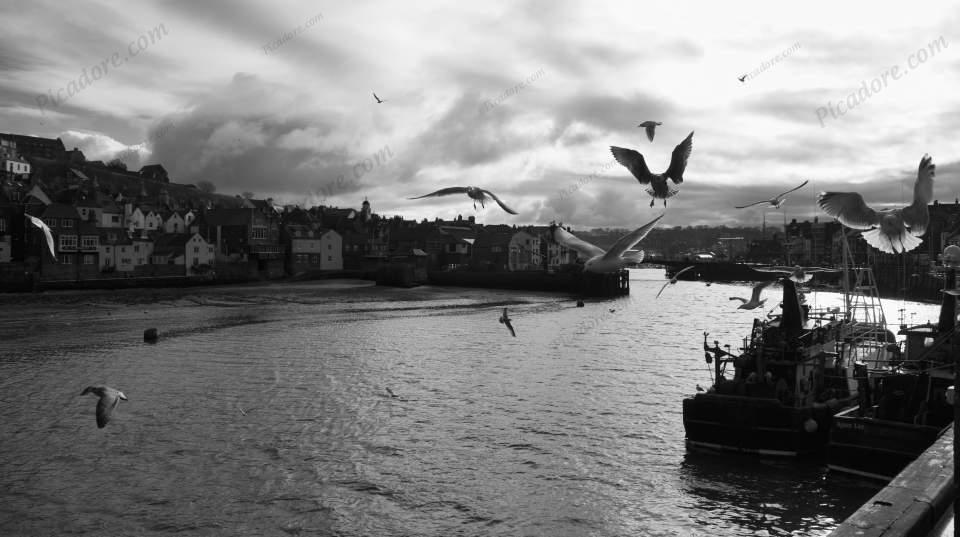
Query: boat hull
{"type": "Point", "coordinates": [875, 448]}
{"type": "Point", "coordinates": [755, 425]}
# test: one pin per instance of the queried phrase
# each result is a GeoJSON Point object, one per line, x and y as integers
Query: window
{"type": "Point", "coordinates": [52, 222]}
{"type": "Point", "coordinates": [89, 241]}
{"type": "Point", "coordinates": [314, 259]}
{"type": "Point", "coordinates": [258, 232]}
{"type": "Point", "coordinates": [3, 225]}
{"type": "Point", "coordinates": [66, 259]}
{"type": "Point", "coordinates": [136, 248]}
{"type": "Point", "coordinates": [329, 246]}
{"type": "Point", "coordinates": [126, 261]}
{"type": "Point", "coordinates": [123, 249]}
{"type": "Point", "coordinates": [115, 218]}
{"type": "Point", "coordinates": [68, 242]}
{"type": "Point", "coordinates": [196, 261]}
{"type": "Point", "coordinates": [89, 259]}
{"type": "Point", "coordinates": [329, 258]}
{"type": "Point", "coordinates": [66, 222]}
{"type": "Point", "coordinates": [196, 249]}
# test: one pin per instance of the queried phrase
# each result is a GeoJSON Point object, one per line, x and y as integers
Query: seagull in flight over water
{"type": "Point", "coordinates": [650, 127]}
{"type": "Point", "coordinates": [378, 98]}
{"type": "Point", "coordinates": [659, 188]}
{"type": "Point", "coordinates": [742, 78]}
{"type": "Point", "coordinates": [775, 201]}
{"type": "Point", "coordinates": [610, 260]}
{"type": "Point", "coordinates": [109, 399]}
{"type": "Point", "coordinates": [888, 230]}
{"type": "Point", "coordinates": [504, 319]}
{"type": "Point", "coordinates": [754, 301]}
{"type": "Point", "coordinates": [675, 278]}
{"type": "Point", "coordinates": [475, 193]}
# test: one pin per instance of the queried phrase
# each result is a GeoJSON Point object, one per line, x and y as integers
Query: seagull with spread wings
{"type": "Point", "coordinates": [476, 194]}
{"type": "Point", "coordinates": [612, 260]}
{"type": "Point", "coordinates": [379, 100]}
{"type": "Point", "coordinates": [659, 188]}
{"type": "Point", "coordinates": [888, 230]}
{"type": "Point", "coordinates": [755, 301]}
{"type": "Point", "coordinates": [109, 399]}
{"type": "Point", "coordinates": [775, 201]}
{"type": "Point", "coordinates": [675, 278]}
{"type": "Point", "coordinates": [650, 127]}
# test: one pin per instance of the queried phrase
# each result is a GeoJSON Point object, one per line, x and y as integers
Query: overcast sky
{"type": "Point", "coordinates": [521, 98]}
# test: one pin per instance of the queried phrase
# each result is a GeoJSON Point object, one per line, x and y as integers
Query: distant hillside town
{"type": "Point", "coordinates": [111, 223]}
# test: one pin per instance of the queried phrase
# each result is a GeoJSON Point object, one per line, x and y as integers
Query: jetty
{"type": "Point", "coordinates": [918, 502]}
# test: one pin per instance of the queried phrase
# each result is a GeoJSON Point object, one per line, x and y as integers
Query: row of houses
{"type": "Point", "coordinates": [107, 222]}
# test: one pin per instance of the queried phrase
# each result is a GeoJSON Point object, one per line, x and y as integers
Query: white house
{"type": "Point", "coordinates": [174, 223]}
{"type": "Point", "coordinates": [314, 249]}
{"type": "Point", "coordinates": [190, 251]}
{"type": "Point", "coordinates": [152, 221]}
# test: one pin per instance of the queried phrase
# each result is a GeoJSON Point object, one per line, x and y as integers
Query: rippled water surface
{"type": "Point", "coordinates": [263, 410]}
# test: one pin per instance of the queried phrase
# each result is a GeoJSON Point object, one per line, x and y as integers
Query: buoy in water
{"type": "Point", "coordinates": [810, 425]}
{"type": "Point", "coordinates": [150, 335]}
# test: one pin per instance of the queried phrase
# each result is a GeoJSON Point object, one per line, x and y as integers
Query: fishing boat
{"type": "Point", "coordinates": [791, 375]}
{"type": "Point", "coordinates": [903, 404]}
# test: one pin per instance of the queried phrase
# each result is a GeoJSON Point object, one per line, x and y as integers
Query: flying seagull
{"type": "Point", "coordinates": [109, 399]}
{"type": "Point", "coordinates": [378, 98]}
{"type": "Point", "coordinates": [775, 201]}
{"type": "Point", "coordinates": [742, 78]}
{"type": "Point", "coordinates": [504, 319]}
{"type": "Point", "coordinates": [659, 188]}
{"type": "Point", "coordinates": [477, 194]}
{"type": "Point", "coordinates": [391, 392]}
{"type": "Point", "coordinates": [888, 230]}
{"type": "Point", "coordinates": [48, 236]}
{"type": "Point", "coordinates": [675, 278]}
{"type": "Point", "coordinates": [650, 126]}
{"type": "Point", "coordinates": [797, 273]}
{"type": "Point", "coordinates": [611, 260]}
{"type": "Point", "coordinates": [754, 301]}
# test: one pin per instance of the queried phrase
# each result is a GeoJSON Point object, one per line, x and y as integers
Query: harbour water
{"type": "Point", "coordinates": [263, 410]}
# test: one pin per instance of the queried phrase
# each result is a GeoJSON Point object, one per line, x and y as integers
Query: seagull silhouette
{"type": "Point", "coordinates": [888, 230]}
{"type": "Point", "coordinates": [659, 188]}
{"type": "Point", "coordinates": [378, 98]}
{"type": "Point", "coordinates": [109, 399]}
{"type": "Point", "coordinates": [742, 78]}
{"type": "Point", "coordinates": [650, 126]}
{"type": "Point", "coordinates": [476, 194]}
{"type": "Point", "coordinates": [754, 301]}
{"type": "Point", "coordinates": [674, 279]}
{"type": "Point", "coordinates": [610, 260]}
{"type": "Point", "coordinates": [391, 392]}
{"type": "Point", "coordinates": [775, 201]}
{"type": "Point", "coordinates": [504, 319]}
